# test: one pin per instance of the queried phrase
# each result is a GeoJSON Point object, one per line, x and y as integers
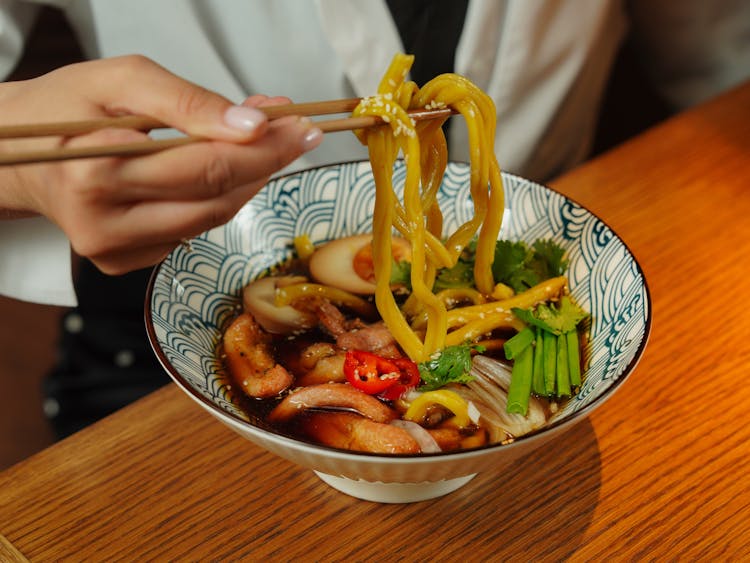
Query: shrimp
{"type": "Point", "coordinates": [250, 360]}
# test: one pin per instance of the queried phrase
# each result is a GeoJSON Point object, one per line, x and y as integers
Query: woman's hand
{"type": "Point", "coordinates": [128, 213]}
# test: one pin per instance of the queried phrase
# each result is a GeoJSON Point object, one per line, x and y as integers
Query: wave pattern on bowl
{"type": "Point", "coordinates": [195, 292]}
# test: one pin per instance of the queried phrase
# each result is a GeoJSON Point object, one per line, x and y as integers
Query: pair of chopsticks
{"type": "Point", "coordinates": [72, 128]}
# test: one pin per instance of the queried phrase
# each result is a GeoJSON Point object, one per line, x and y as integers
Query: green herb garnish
{"type": "Point", "coordinates": [451, 365]}
{"type": "Point", "coordinates": [521, 267]}
{"type": "Point", "coordinates": [548, 350]}
{"type": "Point", "coordinates": [460, 275]}
{"type": "Point", "coordinates": [401, 273]}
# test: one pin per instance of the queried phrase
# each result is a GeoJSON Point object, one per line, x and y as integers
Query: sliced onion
{"type": "Point", "coordinates": [492, 369]}
{"type": "Point", "coordinates": [491, 382]}
{"type": "Point", "coordinates": [474, 412]}
{"type": "Point", "coordinates": [488, 416]}
{"type": "Point", "coordinates": [426, 442]}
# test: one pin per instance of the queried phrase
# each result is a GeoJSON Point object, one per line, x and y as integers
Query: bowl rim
{"type": "Point", "coordinates": [232, 419]}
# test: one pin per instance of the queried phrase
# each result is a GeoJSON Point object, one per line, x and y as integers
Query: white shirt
{"type": "Point", "coordinates": [544, 63]}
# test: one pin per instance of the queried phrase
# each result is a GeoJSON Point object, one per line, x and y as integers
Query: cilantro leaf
{"type": "Point", "coordinates": [521, 267]}
{"type": "Point", "coordinates": [508, 265]}
{"type": "Point", "coordinates": [460, 275]}
{"type": "Point", "coordinates": [570, 314]}
{"type": "Point", "coordinates": [401, 273]}
{"type": "Point", "coordinates": [451, 365]}
{"type": "Point", "coordinates": [549, 258]}
{"type": "Point", "coordinates": [557, 320]}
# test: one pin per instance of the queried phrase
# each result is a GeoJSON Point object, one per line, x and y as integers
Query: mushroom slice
{"type": "Point", "coordinates": [351, 431]}
{"type": "Point", "coordinates": [331, 396]}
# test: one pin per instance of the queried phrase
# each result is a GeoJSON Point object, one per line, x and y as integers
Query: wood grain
{"type": "Point", "coordinates": [659, 472]}
{"type": "Point", "coordinates": [8, 552]}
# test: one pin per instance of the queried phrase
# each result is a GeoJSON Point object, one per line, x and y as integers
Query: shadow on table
{"type": "Point", "coordinates": [540, 507]}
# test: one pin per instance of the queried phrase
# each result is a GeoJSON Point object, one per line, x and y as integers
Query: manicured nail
{"type": "Point", "coordinates": [244, 119]}
{"type": "Point", "coordinates": [312, 139]}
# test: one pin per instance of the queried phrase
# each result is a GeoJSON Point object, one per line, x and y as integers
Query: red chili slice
{"type": "Point", "coordinates": [408, 380]}
{"type": "Point", "coordinates": [376, 375]}
{"type": "Point", "coordinates": [369, 372]}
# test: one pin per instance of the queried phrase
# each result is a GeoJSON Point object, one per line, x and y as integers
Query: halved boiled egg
{"type": "Point", "coordinates": [346, 263]}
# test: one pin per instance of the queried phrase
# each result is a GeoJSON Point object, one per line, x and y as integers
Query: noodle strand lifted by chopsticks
{"type": "Point", "coordinates": [417, 217]}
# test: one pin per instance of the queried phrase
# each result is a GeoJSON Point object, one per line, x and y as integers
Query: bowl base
{"type": "Point", "coordinates": [394, 492]}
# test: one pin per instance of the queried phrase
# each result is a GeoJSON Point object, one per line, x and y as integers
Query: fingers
{"type": "Point", "coordinates": [130, 259]}
{"type": "Point", "coordinates": [260, 100]}
{"type": "Point", "coordinates": [144, 234]}
{"type": "Point", "coordinates": [150, 202]}
{"type": "Point", "coordinates": [136, 85]}
{"type": "Point", "coordinates": [126, 213]}
{"type": "Point", "coordinates": [166, 221]}
{"type": "Point", "coordinates": [205, 170]}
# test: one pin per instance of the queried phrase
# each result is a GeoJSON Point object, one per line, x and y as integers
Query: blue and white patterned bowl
{"type": "Point", "coordinates": [194, 293]}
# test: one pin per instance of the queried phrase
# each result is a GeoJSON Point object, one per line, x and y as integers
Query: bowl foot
{"type": "Point", "coordinates": [394, 492]}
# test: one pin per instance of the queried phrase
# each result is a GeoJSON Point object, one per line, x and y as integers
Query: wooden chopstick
{"type": "Point", "coordinates": [72, 128]}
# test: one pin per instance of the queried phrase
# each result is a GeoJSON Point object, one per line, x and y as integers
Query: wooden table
{"type": "Point", "coordinates": [661, 471]}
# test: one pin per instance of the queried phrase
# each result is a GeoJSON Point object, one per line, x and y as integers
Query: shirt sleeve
{"type": "Point", "coordinates": [35, 262]}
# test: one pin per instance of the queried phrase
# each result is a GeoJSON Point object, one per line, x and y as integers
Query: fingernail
{"type": "Point", "coordinates": [312, 139]}
{"type": "Point", "coordinates": [244, 119]}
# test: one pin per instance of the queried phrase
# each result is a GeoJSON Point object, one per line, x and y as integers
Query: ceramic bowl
{"type": "Point", "coordinates": [195, 291]}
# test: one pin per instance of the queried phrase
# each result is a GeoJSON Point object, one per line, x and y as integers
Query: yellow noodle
{"type": "Point", "coordinates": [479, 327]}
{"type": "Point", "coordinates": [290, 294]}
{"type": "Point", "coordinates": [478, 320]}
{"type": "Point", "coordinates": [460, 294]}
{"type": "Point", "coordinates": [544, 291]}
{"type": "Point", "coordinates": [379, 144]}
{"type": "Point", "coordinates": [417, 217]}
{"type": "Point", "coordinates": [450, 297]}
